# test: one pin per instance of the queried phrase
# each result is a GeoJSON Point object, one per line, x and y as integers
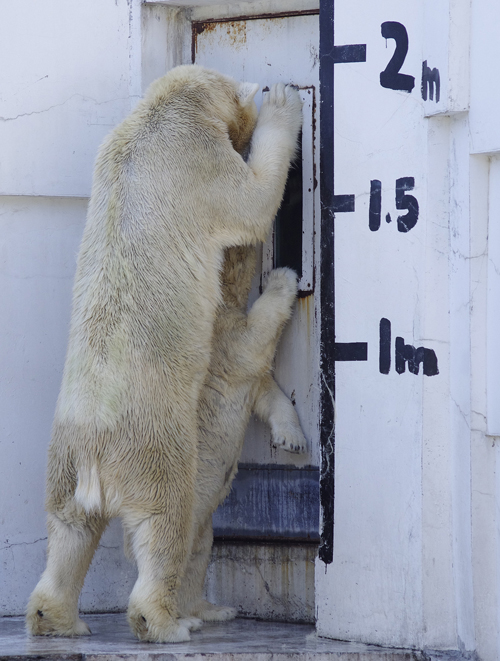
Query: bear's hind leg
{"type": "Point", "coordinates": [191, 600]}
{"type": "Point", "coordinates": [160, 544]}
{"type": "Point", "coordinates": [53, 606]}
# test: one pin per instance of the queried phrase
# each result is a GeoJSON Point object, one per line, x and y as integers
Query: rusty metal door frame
{"type": "Point", "coordinates": [326, 276]}
{"type": "Point", "coordinates": [197, 27]}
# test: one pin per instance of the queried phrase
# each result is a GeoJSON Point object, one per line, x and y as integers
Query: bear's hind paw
{"type": "Point", "coordinates": [159, 629]}
{"type": "Point", "coordinates": [192, 623]}
{"type": "Point", "coordinates": [210, 613]}
{"type": "Point", "coordinates": [54, 622]}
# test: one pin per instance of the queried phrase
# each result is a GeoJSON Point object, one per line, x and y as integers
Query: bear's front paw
{"type": "Point", "coordinates": [282, 282]}
{"type": "Point", "coordinates": [282, 95]}
{"type": "Point", "coordinates": [289, 437]}
{"type": "Point", "coordinates": [277, 95]}
{"type": "Point", "coordinates": [286, 100]}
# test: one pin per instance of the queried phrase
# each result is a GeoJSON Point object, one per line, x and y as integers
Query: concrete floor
{"type": "Point", "coordinates": [241, 640]}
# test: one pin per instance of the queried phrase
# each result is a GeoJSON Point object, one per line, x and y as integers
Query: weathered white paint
{"type": "Point", "coordinates": [267, 51]}
{"type": "Point", "coordinates": [493, 319]}
{"type": "Point", "coordinates": [485, 466]}
{"type": "Point", "coordinates": [73, 73]}
{"type": "Point", "coordinates": [268, 582]}
{"type": "Point", "coordinates": [407, 454]}
{"type": "Point", "coordinates": [485, 94]}
{"type": "Point", "coordinates": [205, 9]}
{"type": "Point", "coordinates": [38, 243]}
{"type": "Point", "coordinates": [446, 45]}
{"type": "Point", "coordinates": [460, 370]}
{"type": "Point", "coordinates": [485, 449]}
{"type": "Point", "coordinates": [438, 612]}
{"type": "Point", "coordinates": [375, 582]}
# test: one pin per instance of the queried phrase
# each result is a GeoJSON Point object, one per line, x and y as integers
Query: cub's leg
{"type": "Point", "coordinates": [53, 606]}
{"type": "Point", "coordinates": [161, 543]}
{"type": "Point", "coordinates": [274, 408]}
{"type": "Point", "coordinates": [191, 601]}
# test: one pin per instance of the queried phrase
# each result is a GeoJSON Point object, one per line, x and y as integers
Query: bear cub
{"type": "Point", "coordinates": [239, 383]}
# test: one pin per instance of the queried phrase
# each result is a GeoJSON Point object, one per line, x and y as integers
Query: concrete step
{"type": "Point", "coordinates": [240, 640]}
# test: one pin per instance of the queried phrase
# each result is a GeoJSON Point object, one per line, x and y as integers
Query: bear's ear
{"type": "Point", "coordinates": [246, 92]}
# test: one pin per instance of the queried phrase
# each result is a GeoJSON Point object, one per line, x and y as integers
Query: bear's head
{"type": "Point", "coordinates": [208, 96]}
{"type": "Point", "coordinates": [241, 128]}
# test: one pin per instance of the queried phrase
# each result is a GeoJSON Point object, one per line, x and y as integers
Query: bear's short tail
{"type": "Point", "coordinates": [88, 490]}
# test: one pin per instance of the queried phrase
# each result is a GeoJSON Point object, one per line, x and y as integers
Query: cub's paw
{"type": "Point", "coordinates": [46, 617]}
{"type": "Point", "coordinates": [210, 613]}
{"type": "Point", "coordinates": [282, 283]}
{"type": "Point", "coordinates": [288, 436]}
{"type": "Point", "coordinates": [158, 627]}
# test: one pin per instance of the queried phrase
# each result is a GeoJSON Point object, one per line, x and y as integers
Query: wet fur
{"type": "Point", "coordinates": [169, 194]}
{"type": "Point", "coordinates": [239, 383]}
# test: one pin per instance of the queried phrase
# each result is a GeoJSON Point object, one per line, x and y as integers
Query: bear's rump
{"type": "Point", "coordinates": [137, 464]}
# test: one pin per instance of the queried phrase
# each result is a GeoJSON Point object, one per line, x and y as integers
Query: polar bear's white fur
{"type": "Point", "coordinates": [170, 192]}
{"type": "Point", "coordinates": [239, 382]}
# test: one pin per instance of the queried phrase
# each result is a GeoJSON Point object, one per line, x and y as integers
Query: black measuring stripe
{"type": "Point", "coordinates": [329, 55]}
{"type": "Point", "coordinates": [327, 283]}
{"type": "Point", "coordinates": [350, 53]}
{"type": "Point", "coordinates": [351, 351]}
{"type": "Point", "coordinates": [343, 203]}
{"type": "Point", "coordinates": [384, 361]}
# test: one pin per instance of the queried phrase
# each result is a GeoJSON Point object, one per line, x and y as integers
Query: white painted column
{"type": "Point", "coordinates": [402, 568]}
{"type": "Point", "coordinates": [485, 210]}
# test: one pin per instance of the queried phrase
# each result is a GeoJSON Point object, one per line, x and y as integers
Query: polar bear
{"type": "Point", "coordinates": [239, 382]}
{"type": "Point", "coordinates": [170, 193]}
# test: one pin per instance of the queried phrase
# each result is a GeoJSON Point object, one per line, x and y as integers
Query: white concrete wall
{"type": "Point", "coordinates": [71, 76]}
{"type": "Point", "coordinates": [435, 509]}
{"type": "Point", "coordinates": [71, 72]}
{"type": "Point", "coordinates": [485, 317]}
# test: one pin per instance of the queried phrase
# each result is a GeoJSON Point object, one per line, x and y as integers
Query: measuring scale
{"type": "Point", "coordinates": [378, 358]}
{"type": "Point", "coordinates": [364, 325]}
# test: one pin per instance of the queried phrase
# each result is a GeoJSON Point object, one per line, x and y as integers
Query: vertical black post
{"type": "Point", "coordinates": [327, 334]}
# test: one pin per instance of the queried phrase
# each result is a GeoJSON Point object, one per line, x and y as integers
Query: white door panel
{"type": "Point", "coordinates": [270, 50]}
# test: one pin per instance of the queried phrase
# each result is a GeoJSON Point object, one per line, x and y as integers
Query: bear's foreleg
{"type": "Point", "coordinates": [275, 408]}
{"type": "Point", "coordinates": [270, 312]}
{"type": "Point", "coordinates": [265, 322]}
{"type": "Point", "coordinates": [53, 606]}
{"type": "Point", "coordinates": [273, 147]}
{"type": "Point", "coordinates": [251, 191]}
